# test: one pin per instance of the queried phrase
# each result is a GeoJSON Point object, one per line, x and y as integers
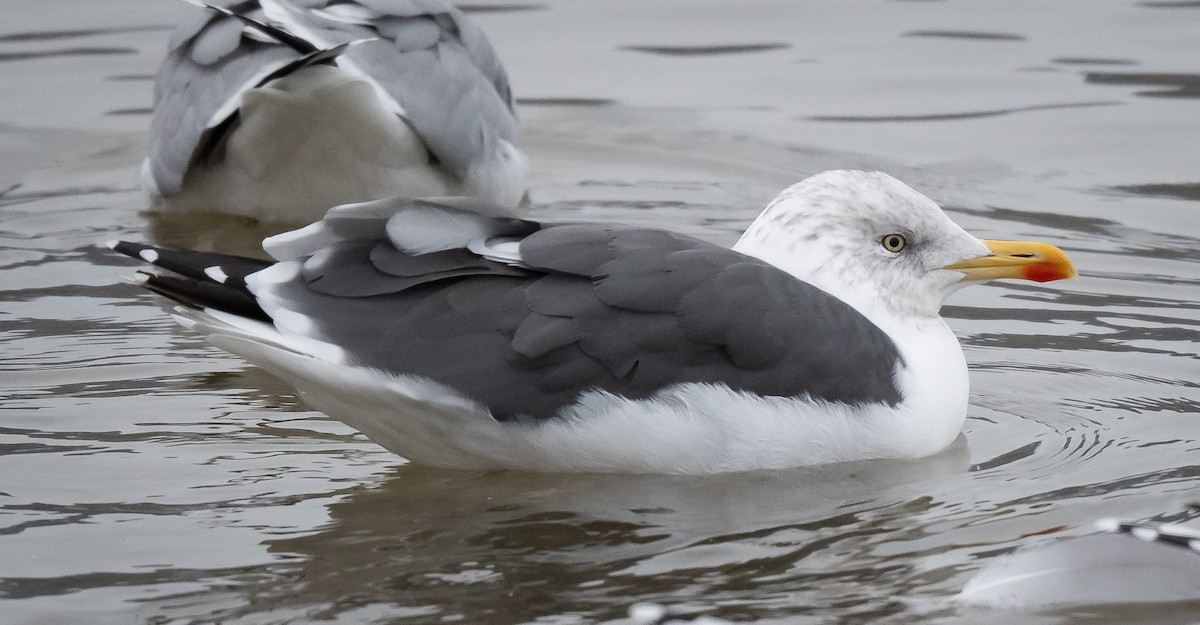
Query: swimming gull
{"type": "Point", "coordinates": [455, 334]}
{"type": "Point", "coordinates": [279, 109]}
{"type": "Point", "coordinates": [1161, 566]}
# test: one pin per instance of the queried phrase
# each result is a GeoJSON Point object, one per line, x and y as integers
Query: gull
{"type": "Point", "coordinates": [1162, 566]}
{"type": "Point", "coordinates": [455, 334]}
{"type": "Point", "coordinates": [279, 109]}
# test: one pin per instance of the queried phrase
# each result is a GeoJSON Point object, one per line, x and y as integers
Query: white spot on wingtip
{"type": "Point", "coordinates": [1107, 525]}
{"type": "Point", "coordinates": [149, 256]}
{"type": "Point", "coordinates": [1144, 533]}
{"type": "Point", "coordinates": [216, 273]}
{"type": "Point", "coordinates": [646, 612]}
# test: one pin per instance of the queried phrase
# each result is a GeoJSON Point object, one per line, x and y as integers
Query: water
{"type": "Point", "coordinates": [150, 478]}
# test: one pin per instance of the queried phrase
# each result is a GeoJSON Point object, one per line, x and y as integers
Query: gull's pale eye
{"type": "Point", "coordinates": [893, 242]}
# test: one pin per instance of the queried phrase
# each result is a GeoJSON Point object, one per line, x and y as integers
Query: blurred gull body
{"type": "Point", "coordinates": [1133, 563]}
{"type": "Point", "coordinates": [279, 109]}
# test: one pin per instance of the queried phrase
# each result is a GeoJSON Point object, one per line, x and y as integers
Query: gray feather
{"type": "Point", "coordinates": [349, 13]}
{"type": "Point", "coordinates": [432, 225]}
{"type": "Point", "coordinates": [424, 229]}
{"type": "Point", "coordinates": [188, 95]}
{"type": "Point", "coordinates": [436, 64]}
{"type": "Point", "coordinates": [625, 310]}
{"type": "Point", "coordinates": [356, 225]}
{"type": "Point", "coordinates": [216, 42]}
{"type": "Point", "coordinates": [539, 335]}
{"type": "Point", "coordinates": [189, 27]}
{"type": "Point", "coordinates": [409, 33]}
{"type": "Point", "coordinates": [406, 8]}
{"type": "Point", "coordinates": [346, 270]}
{"type": "Point", "coordinates": [389, 260]}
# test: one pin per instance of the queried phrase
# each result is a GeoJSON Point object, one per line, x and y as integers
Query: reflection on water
{"type": "Point", "coordinates": [967, 35]}
{"type": "Point", "coordinates": [1165, 85]}
{"type": "Point", "coordinates": [1183, 191]}
{"type": "Point", "coordinates": [1092, 61]}
{"type": "Point", "coordinates": [941, 117]}
{"type": "Point", "coordinates": [606, 539]}
{"type": "Point", "coordinates": [6, 57]}
{"type": "Point", "coordinates": [53, 35]}
{"type": "Point", "coordinates": [564, 102]}
{"type": "Point", "coordinates": [706, 50]}
{"type": "Point", "coordinates": [227, 234]}
{"type": "Point", "coordinates": [510, 7]}
{"type": "Point", "coordinates": [151, 478]}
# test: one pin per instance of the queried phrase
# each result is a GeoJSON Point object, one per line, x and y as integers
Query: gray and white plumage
{"type": "Point", "coordinates": [1134, 563]}
{"type": "Point", "coordinates": [458, 335]}
{"type": "Point", "coordinates": [417, 103]}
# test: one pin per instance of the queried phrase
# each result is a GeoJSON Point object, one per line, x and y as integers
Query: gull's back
{"type": "Point", "coordinates": [327, 104]}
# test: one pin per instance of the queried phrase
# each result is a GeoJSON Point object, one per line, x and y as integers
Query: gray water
{"type": "Point", "coordinates": [148, 478]}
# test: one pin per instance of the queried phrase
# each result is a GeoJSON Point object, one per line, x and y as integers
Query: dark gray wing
{"type": "Point", "coordinates": [625, 310]}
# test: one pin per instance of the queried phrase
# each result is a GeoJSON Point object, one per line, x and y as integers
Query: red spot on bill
{"type": "Point", "coordinates": [1046, 272]}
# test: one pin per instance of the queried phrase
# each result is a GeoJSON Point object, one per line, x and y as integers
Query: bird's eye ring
{"type": "Point", "coordinates": [893, 242]}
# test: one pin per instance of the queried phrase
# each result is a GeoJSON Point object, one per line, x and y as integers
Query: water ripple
{"type": "Point", "coordinates": [967, 35]}
{"type": "Point", "coordinates": [1179, 191]}
{"type": "Point", "coordinates": [707, 50]}
{"type": "Point", "coordinates": [1167, 85]}
{"type": "Point", "coordinates": [942, 117]}
{"type": "Point", "coordinates": [8, 57]}
{"type": "Point", "coordinates": [54, 35]}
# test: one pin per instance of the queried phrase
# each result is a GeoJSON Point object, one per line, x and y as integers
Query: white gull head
{"type": "Point", "coordinates": [866, 238]}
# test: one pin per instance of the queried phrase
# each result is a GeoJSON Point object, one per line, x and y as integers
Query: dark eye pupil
{"type": "Point", "coordinates": [893, 242]}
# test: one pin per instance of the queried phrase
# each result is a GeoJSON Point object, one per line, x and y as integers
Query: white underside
{"type": "Point", "coordinates": [321, 137]}
{"type": "Point", "coordinates": [685, 429]}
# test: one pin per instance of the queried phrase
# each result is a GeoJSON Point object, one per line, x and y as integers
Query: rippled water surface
{"type": "Point", "coordinates": [146, 477]}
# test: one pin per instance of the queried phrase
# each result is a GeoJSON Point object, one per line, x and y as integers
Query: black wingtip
{"type": "Point", "coordinates": [225, 269]}
{"type": "Point", "coordinates": [139, 251]}
{"type": "Point", "coordinates": [201, 295]}
{"type": "Point", "coordinates": [1163, 533]}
